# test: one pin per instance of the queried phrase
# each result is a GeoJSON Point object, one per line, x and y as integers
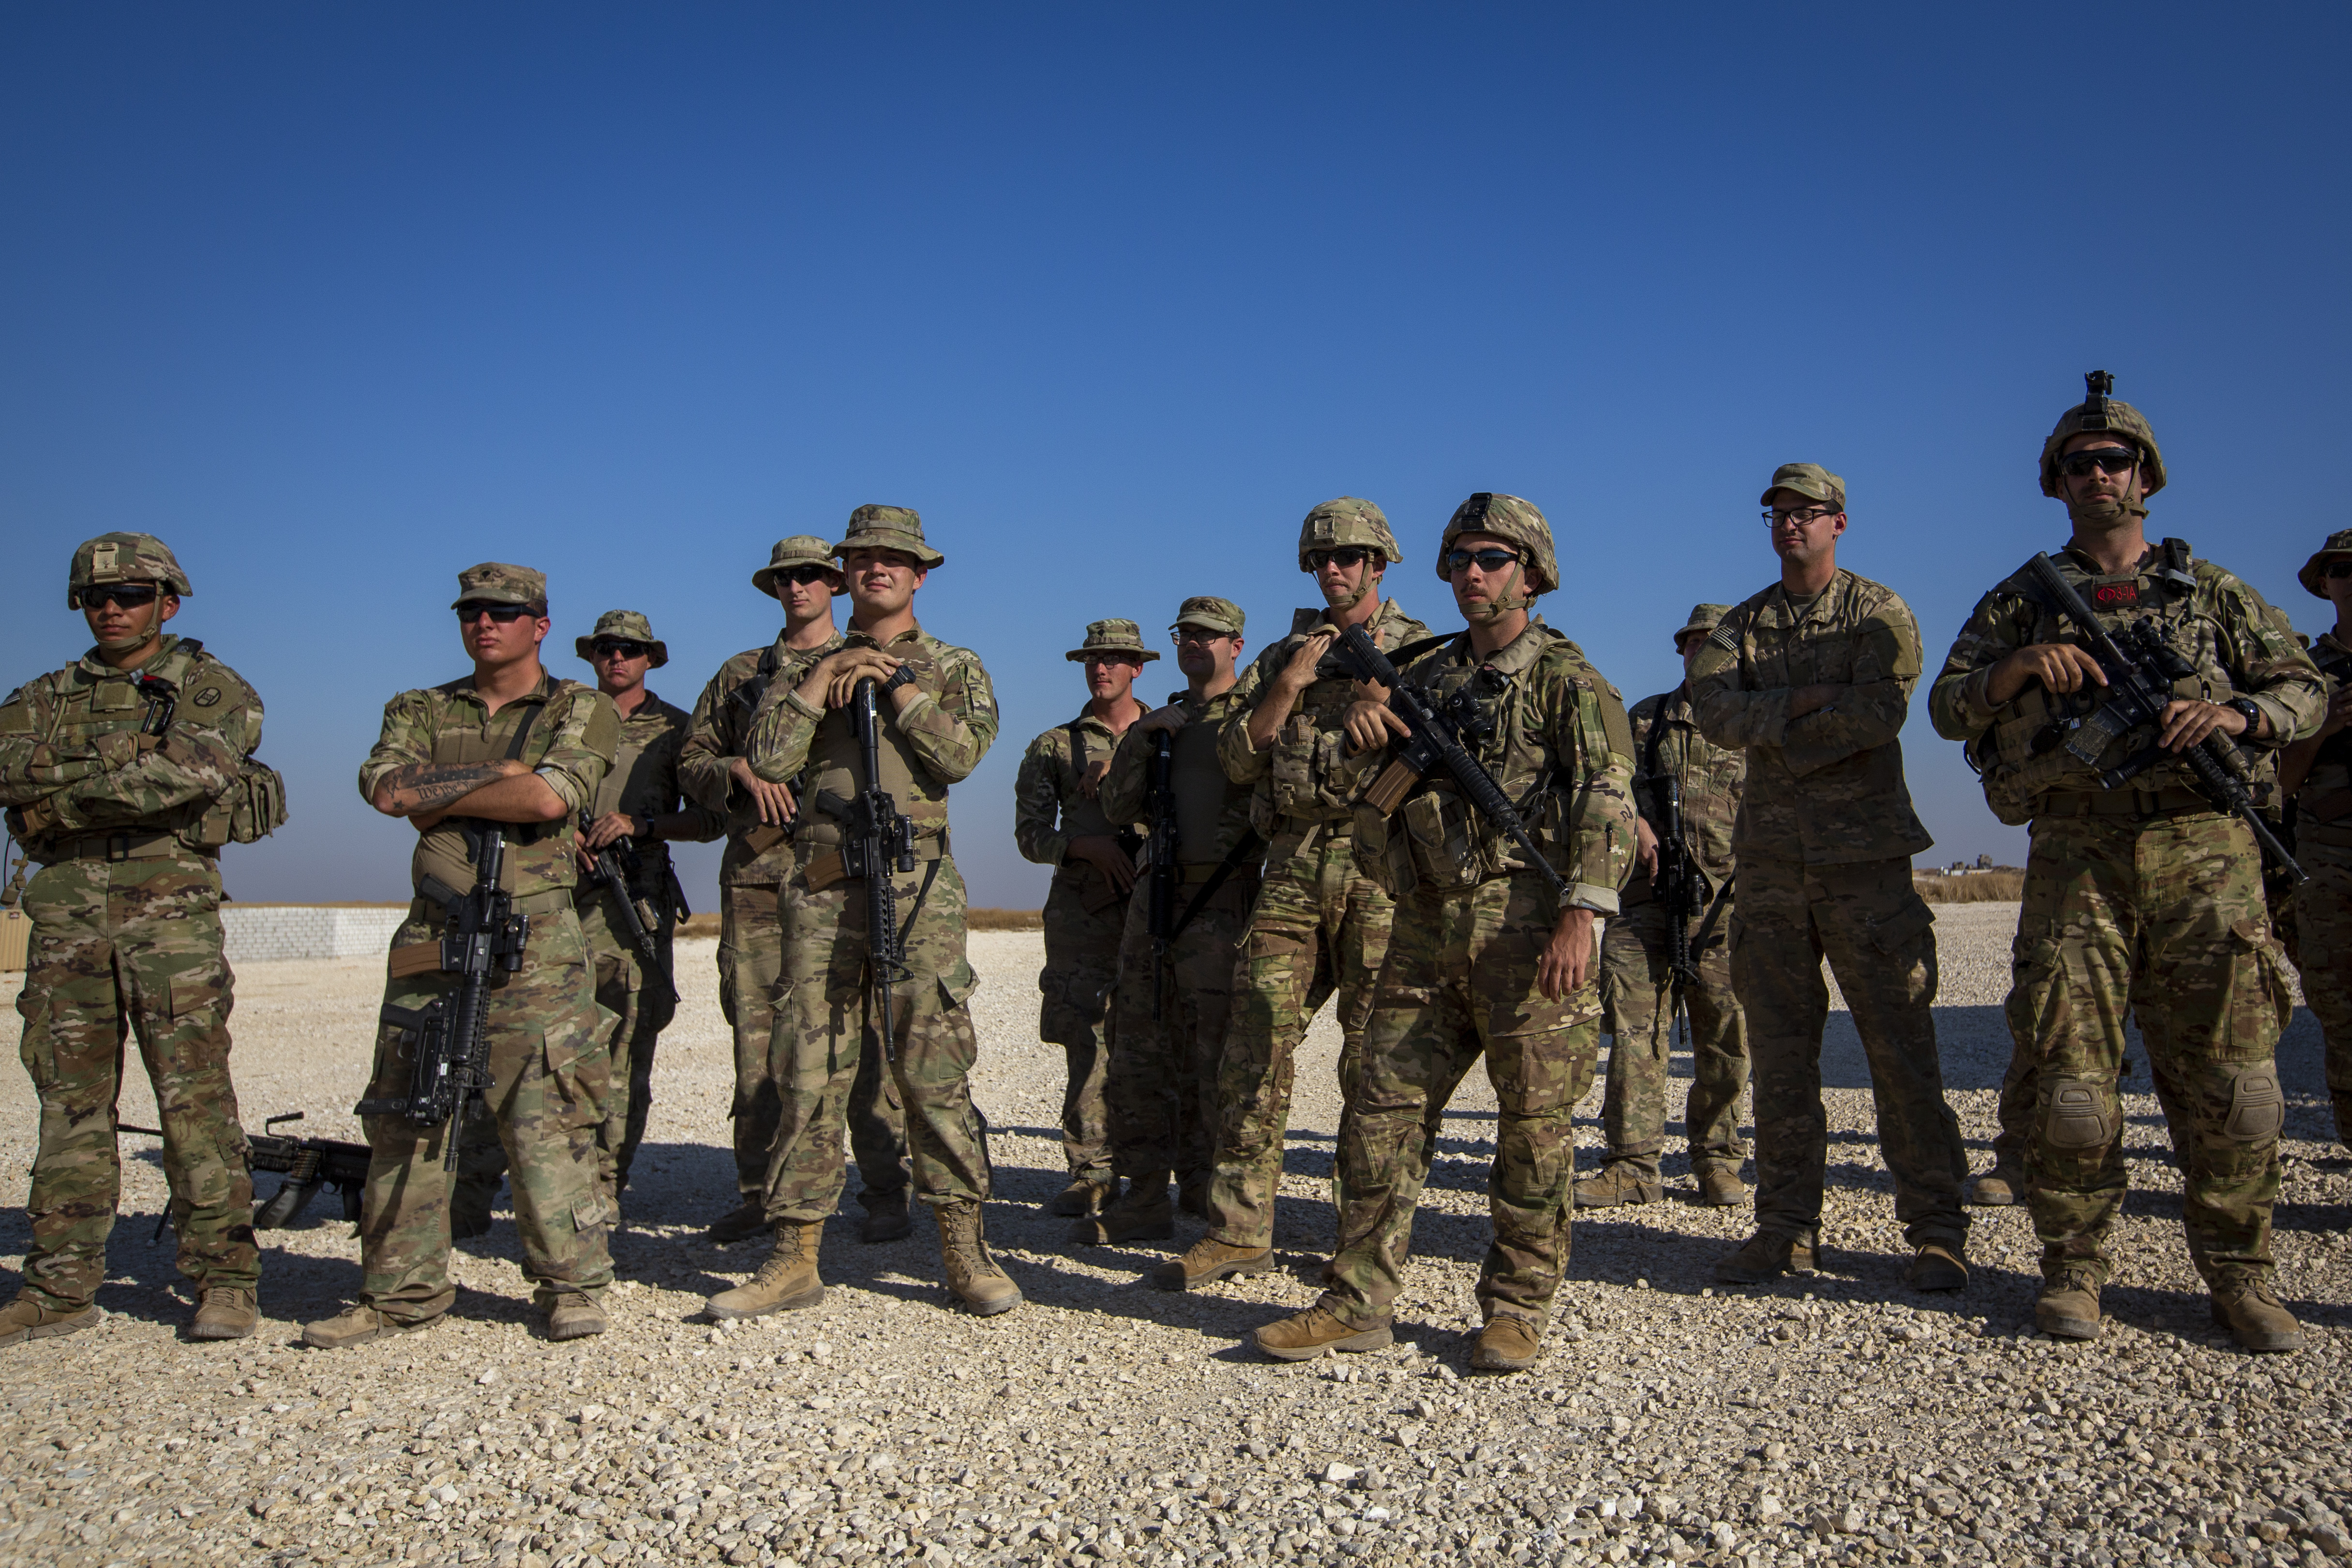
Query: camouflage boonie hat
{"type": "Point", "coordinates": [1810, 480]}
{"type": "Point", "coordinates": [123, 558]}
{"type": "Point", "coordinates": [1208, 610]}
{"type": "Point", "coordinates": [2339, 544]}
{"type": "Point", "coordinates": [1349, 520]}
{"type": "Point", "coordinates": [623, 626]}
{"type": "Point", "coordinates": [496, 582]}
{"type": "Point", "coordinates": [1702, 618]}
{"type": "Point", "coordinates": [889, 527]}
{"type": "Point", "coordinates": [1111, 637]}
{"type": "Point", "coordinates": [1506, 518]}
{"type": "Point", "coordinates": [801, 549]}
{"type": "Point", "coordinates": [2097, 413]}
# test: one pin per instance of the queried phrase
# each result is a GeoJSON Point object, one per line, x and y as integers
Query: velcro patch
{"type": "Point", "coordinates": [1725, 638]}
{"type": "Point", "coordinates": [206, 698]}
{"type": "Point", "coordinates": [2114, 596]}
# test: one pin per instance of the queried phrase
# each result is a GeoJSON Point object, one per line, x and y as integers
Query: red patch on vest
{"type": "Point", "coordinates": [2116, 596]}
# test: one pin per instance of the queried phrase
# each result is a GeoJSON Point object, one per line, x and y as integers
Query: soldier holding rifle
{"type": "Point", "coordinates": [873, 844]}
{"type": "Point", "coordinates": [2315, 775]}
{"type": "Point", "coordinates": [490, 769]}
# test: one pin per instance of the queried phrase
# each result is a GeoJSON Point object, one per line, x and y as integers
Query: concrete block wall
{"type": "Point", "coordinates": [260, 932]}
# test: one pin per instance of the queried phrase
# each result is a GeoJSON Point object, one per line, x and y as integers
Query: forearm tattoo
{"type": "Point", "coordinates": [425, 786]}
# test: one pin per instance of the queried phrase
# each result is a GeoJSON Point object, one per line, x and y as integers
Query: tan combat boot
{"type": "Point", "coordinates": [1508, 1344]}
{"type": "Point", "coordinates": [971, 1274]}
{"type": "Point", "coordinates": [358, 1326]}
{"type": "Point", "coordinates": [1085, 1195]}
{"type": "Point", "coordinates": [1141, 1212]}
{"type": "Point", "coordinates": [2250, 1310]}
{"type": "Point", "coordinates": [1999, 1188]}
{"type": "Point", "coordinates": [2068, 1306]}
{"type": "Point", "coordinates": [1209, 1261]}
{"type": "Point", "coordinates": [1621, 1183]}
{"type": "Point", "coordinates": [224, 1311]}
{"type": "Point", "coordinates": [1936, 1266]}
{"type": "Point", "coordinates": [1305, 1335]}
{"type": "Point", "coordinates": [1719, 1186]}
{"type": "Point", "coordinates": [887, 1219]}
{"type": "Point", "coordinates": [1762, 1258]}
{"type": "Point", "coordinates": [740, 1223]}
{"type": "Point", "coordinates": [25, 1318]}
{"type": "Point", "coordinates": [575, 1314]}
{"type": "Point", "coordinates": [787, 1280]}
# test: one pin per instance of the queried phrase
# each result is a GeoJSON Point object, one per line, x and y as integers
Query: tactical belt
{"type": "Point", "coordinates": [125, 846]}
{"type": "Point", "coordinates": [1191, 872]}
{"type": "Point", "coordinates": [426, 905]}
{"type": "Point", "coordinates": [2337, 836]}
{"type": "Point", "coordinates": [2172, 801]}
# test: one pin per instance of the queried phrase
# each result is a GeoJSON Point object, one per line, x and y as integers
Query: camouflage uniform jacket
{"type": "Point", "coordinates": [643, 782]}
{"type": "Point", "coordinates": [717, 733]}
{"type": "Point", "coordinates": [574, 732]}
{"type": "Point", "coordinates": [2237, 642]}
{"type": "Point", "coordinates": [1827, 788]}
{"type": "Point", "coordinates": [2326, 798]}
{"type": "Point", "coordinates": [74, 762]}
{"type": "Point", "coordinates": [935, 741]}
{"type": "Point", "coordinates": [1211, 810]}
{"type": "Point", "coordinates": [1306, 774]}
{"type": "Point", "coordinates": [1561, 749]}
{"type": "Point", "coordinates": [1047, 810]}
{"type": "Point", "coordinates": [1710, 777]}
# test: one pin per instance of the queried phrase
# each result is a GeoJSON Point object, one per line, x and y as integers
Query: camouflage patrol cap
{"type": "Point", "coordinates": [801, 549]}
{"type": "Point", "coordinates": [123, 558]}
{"type": "Point", "coordinates": [1810, 480]}
{"type": "Point", "coordinates": [1111, 637]}
{"type": "Point", "coordinates": [496, 582]}
{"type": "Point", "coordinates": [889, 527]}
{"type": "Point", "coordinates": [2338, 546]}
{"type": "Point", "coordinates": [625, 626]}
{"type": "Point", "coordinates": [1506, 518]}
{"type": "Point", "coordinates": [1207, 610]}
{"type": "Point", "coordinates": [2099, 412]}
{"type": "Point", "coordinates": [1702, 618]}
{"type": "Point", "coordinates": [1349, 520]}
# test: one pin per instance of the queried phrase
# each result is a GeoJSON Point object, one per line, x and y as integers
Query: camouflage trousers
{"type": "Point", "coordinates": [1459, 982]}
{"type": "Point", "coordinates": [131, 947]}
{"type": "Point", "coordinates": [826, 1027]}
{"type": "Point", "coordinates": [750, 964]}
{"type": "Point", "coordinates": [548, 1087]}
{"type": "Point", "coordinates": [1636, 956]}
{"type": "Point", "coordinates": [2323, 924]}
{"type": "Point", "coordinates": [1318, 926]}
{"type": "Point", "coordinates": [1082, 946]}
{"type": "Point", "coordinates": [1163, 1087]}
{"type": "Point", "coordinates": [2163, 918]}
{"type": "Point", "coordinates": [1879, 938]}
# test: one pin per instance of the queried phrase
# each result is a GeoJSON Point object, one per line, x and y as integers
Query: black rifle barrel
{"type": "Point", "coordinates": [1159, 912]}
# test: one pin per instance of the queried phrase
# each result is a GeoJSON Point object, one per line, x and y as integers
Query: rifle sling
{"type": "Point", "coordinates": [1248, 844]}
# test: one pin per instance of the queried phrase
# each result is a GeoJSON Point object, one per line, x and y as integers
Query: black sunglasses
{"type": "Point", "coordinates": [473, 610]}
{"type": "Point", "coordinates": [2105, 459]}
{"type": "Point", "coordinates": [2340, 566]}
{"type": "Point", "coordinates": [608, 647]}
{"type": "Point", "coordinates": [1494, 558]}
{"type": "Point", "coordinates": [121, 595]}
{"type": "Point", "coordinates": [1344, 558]}
{"type": "Point", "coordinates": [804, 575]}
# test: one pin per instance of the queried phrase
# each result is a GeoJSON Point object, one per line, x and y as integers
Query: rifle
{"type": "Point", "coordinates": [1678, 884]}
{"type": "Point", "coordinates": [2141, 664]}
{"type": "Point", "coordinates": [452, 1063]}
{"type": "Point", "coordinates": [1159, 911]}
{"type": "Point", "coordinates": [879, 838]}
{"type": "Point", "coordinates": [611, 870]}
{"type": "Point", "coordinates": [1436, 742]}
{"type": "Point", "coordinates": [307, 1164]}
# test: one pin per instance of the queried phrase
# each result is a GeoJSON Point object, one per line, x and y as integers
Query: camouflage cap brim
{"type": "Point", "coordinates": [801, 549]}
{"type": "Point", "coordinates": [2338, 547]}
{"type": "Point", "coordinates": [586, 647]}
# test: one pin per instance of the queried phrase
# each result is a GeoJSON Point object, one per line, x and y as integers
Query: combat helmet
{"type": "Point", "coordinates": [1506, 518]}
{"type": "Point", "coordinates": [2098, 413]}
{"type": "Point", "coordinates": [1349, 520]}
{"type": "Point", "coordinates": [124, 558]}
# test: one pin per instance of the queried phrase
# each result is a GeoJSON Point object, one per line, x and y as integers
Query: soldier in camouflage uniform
{"type": "Point", "coordinates": [2144, 898]}
{"type": "Point", "coordinates": [936, 713]}
{"type": "Point", "coordinates": [1640, 992]}
{"type": "Point", "coordinates": [1319, 925]}
{"type": "Point", "coordinates": [2316, 773]}
{"type": "Point", "coordinates": [1058, 821]}
{"type": "Point", "coordinates": [1485, 956]}
{"type": "Point", "coordinates": [124, 773]}
{"type": "Point", "coordinates": [1813, 677]}
{"type": "Point", "coordinates": [759, 860]}
{"type": "Point", "coordinates": [511, 748]}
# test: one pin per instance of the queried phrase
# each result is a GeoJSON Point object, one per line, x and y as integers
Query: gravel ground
{"type": "Point", "coordinates": [1839, 1420]}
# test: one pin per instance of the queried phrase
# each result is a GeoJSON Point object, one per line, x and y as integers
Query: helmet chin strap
{"type": "Point", "coordinates": [1514, 598]}
{"type": "Point", "coordinates": [2110, 513]}
{"type": "Point", "coordinates": [127, 640]}
{"type": "Point", "coordinates": [1363, 590]}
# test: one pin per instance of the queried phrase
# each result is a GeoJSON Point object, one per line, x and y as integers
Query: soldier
{"type": "Point", "coordinates": [1485, 957]}
{"type": "Point", "coordinates": [1058, 822]}
{"type": "Point", "coordinates": [1319, 925]}
{"type": "Point", "coordinates": [1173, 1002]}
{"type": "Point", "coordinates": [936, 716]}
{"type": "Point", "coordinates": [1811, 677]}
{"type": "Point", "coordinates": [1640, 992]}
{"type": "Point", "coordinates": [761, 818]}
{"type": "Point", "coordinates": [507, 746]}
{"type": "Point", "coordinates": [124, 773]}
{"type": "Point", "coordinates": [2145, 899]}
{"type": "Point", "coordinates": [2315, 772]}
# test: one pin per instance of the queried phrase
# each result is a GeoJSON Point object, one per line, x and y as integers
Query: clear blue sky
{"type": "Point", "coordinates": [339, 299]}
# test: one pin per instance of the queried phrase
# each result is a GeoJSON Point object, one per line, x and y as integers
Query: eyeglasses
{"type": "Point", "coordinates": [1494, 558]}
{"type": "Point", "coordinates": [619, 648]}
{"type": "Point", "coordinates": [473, 610]}
{"type": "Point", "coordinates": [121, 595]}
{"type": "Point", "coordinates": [1801, 516]}
{"type": "Point", "coordinates": [805, 575]}
{"type": "Point", "coordinates": [2340, 566]}
{"type": "Point", "coordinates": [1346, 558]}
{"type": "Point", "coordinates": [1179, 635]}
{"type": "Point", "coordinates": [2105, 459]}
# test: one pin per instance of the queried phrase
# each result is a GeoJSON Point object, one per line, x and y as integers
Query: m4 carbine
{"type": "Point", "coordinates": [610, 871]}
{"type": "Point", "coordinates": [1159, 910]}
{"type": "Point", "coordinates": [2141, 664]}
{"type": "Point", "coordinates": [880, 841]}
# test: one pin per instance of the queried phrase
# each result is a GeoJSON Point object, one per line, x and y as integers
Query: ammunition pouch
{"type": "Point", "coordinates": [248, 810]}
{"type": "Point", "coordinates": [1311, 772]}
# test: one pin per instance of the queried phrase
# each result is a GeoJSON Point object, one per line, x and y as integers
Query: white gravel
{"type": "Point", "coordinates": [1840, 1419]}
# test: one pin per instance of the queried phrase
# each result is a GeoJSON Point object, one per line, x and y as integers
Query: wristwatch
{"type": "Point", "coordinates": [904, 675]}
{"type": "Point", "coordinates": [2244, 709]}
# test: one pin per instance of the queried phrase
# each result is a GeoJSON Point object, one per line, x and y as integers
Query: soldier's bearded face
{"type": "Point", "coordinates": [881, 581]}
{"type": "Point", "coordinates": [1109, 678]}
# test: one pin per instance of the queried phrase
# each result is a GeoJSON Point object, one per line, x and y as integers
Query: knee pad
{"type": "Point", "coordinates": [2081, 1115]}
{"type": "Point", "coordinates": [2257, 1106]}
